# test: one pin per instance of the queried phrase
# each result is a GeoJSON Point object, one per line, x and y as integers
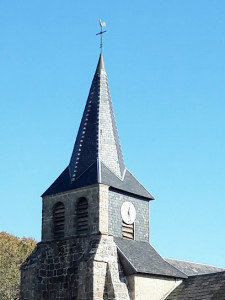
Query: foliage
{"type": "Point", "coordinates": [13, 252]}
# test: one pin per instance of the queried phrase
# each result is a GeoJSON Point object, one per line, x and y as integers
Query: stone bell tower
{"type": "Point", "coordinates": [92, 215]}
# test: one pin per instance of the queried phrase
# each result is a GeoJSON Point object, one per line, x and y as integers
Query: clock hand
{"type": "Point", "coordinates": [129, 211]}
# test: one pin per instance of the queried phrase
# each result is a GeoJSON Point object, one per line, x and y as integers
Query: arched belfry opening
{"type": "Point", "coordinates": [82, 216]}
{"type": "Point", "coordinates": [59, 220]}
{"type": "Point", "coordinates": [128, 230]}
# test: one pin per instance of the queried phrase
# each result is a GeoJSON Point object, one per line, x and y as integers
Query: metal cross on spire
{"type": "Point", "coordinates": [102, 24]}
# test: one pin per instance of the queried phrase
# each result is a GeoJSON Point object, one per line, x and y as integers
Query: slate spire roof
{"type": "Point", "coordinates": [97, 137]}
{"type": "Point", "coordinates": [97, 156]}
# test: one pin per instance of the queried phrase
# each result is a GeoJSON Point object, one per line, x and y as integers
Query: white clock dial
{"type": "Point", "coordinates": [128, 213]}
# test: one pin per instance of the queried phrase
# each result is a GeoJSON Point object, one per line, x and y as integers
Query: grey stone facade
{"type": "Point", "coordinates": [141, 225]}
{"type": "Point", "coordinates": [70, 199]}
{"type": "Point", "coordinates": [74, 269]}
{"type": "Point", "coordinates": [82, 266]}
{"type": "Point", "coordinates": [104, 212]}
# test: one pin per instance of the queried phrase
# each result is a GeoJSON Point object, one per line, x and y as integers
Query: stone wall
{"type": "Point", "coordinates": [104, 214]}
{"type": "Point", "coordinates": [76, 268]}
{"type": "Point", "coordinates": [141, 225]}
{"type": "Point", "coordinates": [70, 199]}
{"type": "Point", "coordinates": [83, 266]}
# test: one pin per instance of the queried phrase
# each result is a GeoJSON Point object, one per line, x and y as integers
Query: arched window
{"type": "Point", "coordinates": [82, 216]}
{"type": "Point", "coordinates": [59, 219]}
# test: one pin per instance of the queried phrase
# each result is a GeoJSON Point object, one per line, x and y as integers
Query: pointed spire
{"type": "Point", "coordinates": [97, 155]}
{"type": "Point", "coordinates": [100, 65]}
{"type": "Point", "coordinates": [97, 137]}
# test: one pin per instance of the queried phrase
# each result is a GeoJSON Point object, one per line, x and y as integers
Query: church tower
{"type": "Point", "coordinates": [96, 165]}
{"type": "Point", "coordinates": [95, 218]}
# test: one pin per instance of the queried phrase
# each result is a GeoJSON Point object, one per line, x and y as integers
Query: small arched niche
{"type": "Point", "coordinates": [82, 216]}
{"type": "Point", "coordinates": [59, 220]}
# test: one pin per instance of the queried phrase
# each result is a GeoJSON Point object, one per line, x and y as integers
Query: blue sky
{"type": "Point", "coordinates": [166, 70]}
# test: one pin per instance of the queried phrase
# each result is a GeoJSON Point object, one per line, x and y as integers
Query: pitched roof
{"type": "Point", "coordinates": [191, 269]}
{"type": "Point", "coordinates": [97, 155]}
{"type": "Point", "coordinates": [141, 257]}
{"type": "Point", "coordinates": [201, 287]}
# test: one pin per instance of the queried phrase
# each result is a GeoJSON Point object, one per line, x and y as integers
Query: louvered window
{"type": "Point", "coordinates": [82, 216]}
{"type": "Point", "coordinates": [128, 231]}
{"type": "Point", "coordinates": [59, 219]}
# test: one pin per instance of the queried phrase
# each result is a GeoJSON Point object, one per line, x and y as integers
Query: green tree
{"type": "Point", "coordinates": [13, 252]}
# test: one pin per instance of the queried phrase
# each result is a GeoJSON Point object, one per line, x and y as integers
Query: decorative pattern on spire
{"type": "Point", "coordinates": [97, 137]}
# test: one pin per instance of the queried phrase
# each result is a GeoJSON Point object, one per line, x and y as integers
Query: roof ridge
{"type": "Point", "coordinates": [207, 274]}
{"type": "Point", "coordinates": [139, 182]}
{"type": "Point", "coordinates": [86, 169]}
{"type": "Point", "coordinates": [202, 264]}
{"type": "Point", "coordinates": [124, 172]}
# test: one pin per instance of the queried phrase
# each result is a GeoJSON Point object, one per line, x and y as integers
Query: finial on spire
{"type": "Point", "coordinates": [102, 24]}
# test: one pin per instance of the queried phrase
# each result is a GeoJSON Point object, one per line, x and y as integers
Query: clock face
{"type": "Point", "coordinates": [128, 213]}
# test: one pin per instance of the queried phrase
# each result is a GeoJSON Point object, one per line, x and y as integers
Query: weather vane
{"type": "Point", "coordinates": [102, 24]}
